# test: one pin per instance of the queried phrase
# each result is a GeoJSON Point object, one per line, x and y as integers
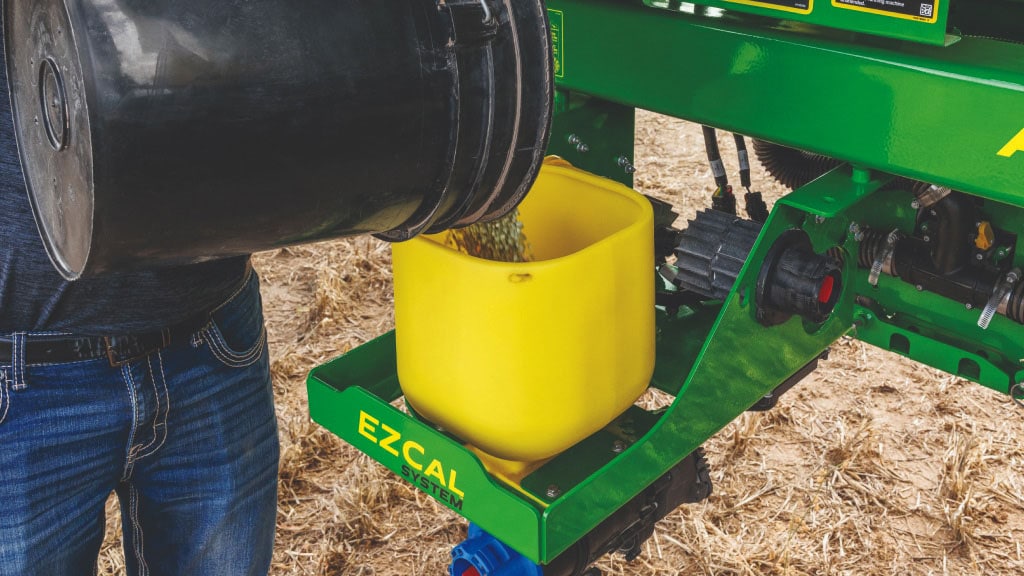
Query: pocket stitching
{"type": "Point", "coordinates": [5, 395]}
{"type": "Point", "coordinates": [221, 350]}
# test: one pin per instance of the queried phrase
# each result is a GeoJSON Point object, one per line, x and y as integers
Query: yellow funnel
{"type": "Point", "coordinates": [523, 360]}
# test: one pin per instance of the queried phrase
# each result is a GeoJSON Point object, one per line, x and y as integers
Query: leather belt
{"type": "Point", "coordinates": [118, 350]}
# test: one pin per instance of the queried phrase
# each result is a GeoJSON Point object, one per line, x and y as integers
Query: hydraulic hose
{"type": "Point", "coordinates": [715, 157]}
{"type": "Point", "coordinates": [723, 198]}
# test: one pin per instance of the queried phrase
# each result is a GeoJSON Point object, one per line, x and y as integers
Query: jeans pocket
{"type": "Point", "coordinates": [236, 334]}
{"type": "Point", "coordinates": [229, 355]}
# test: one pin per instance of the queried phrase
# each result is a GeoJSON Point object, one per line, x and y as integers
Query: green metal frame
{"type": "Point", "coordinates": [932, 113]}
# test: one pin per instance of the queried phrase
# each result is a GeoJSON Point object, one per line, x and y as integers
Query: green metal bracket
{"type": "Point", "coordinates": [352, 396]}
{"type": "Point", "coordinates": [594, 135]}
{"type": "Point", "coordinates": [929, 328]}
{"type": "Point", "coordinates": [739, 363]}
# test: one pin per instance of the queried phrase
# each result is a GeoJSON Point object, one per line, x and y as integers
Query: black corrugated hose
{"type": "Point", "coordinates": [791, 167]}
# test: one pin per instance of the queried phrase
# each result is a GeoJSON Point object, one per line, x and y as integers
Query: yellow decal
{"type": "Point", "coordinates": [451, 485]}
{"type": "Point", "coordinates": [1016, 144]}
{"type": "Point", "coordinates": [434, 470]}
{"type": "Point", "coordinates": [386, 443]}
{"type": "Point", "coordinates": [777, 6]}
{"type": "Point", "coordinates": [556, 25]}
{"type": "Point", "coordinates": [431, 478]}
{"type": "Point", "coordinates": [366, 426]}
{"type": "Point", "coordinates": [929, 13]}
{"type": "Point", "coordinates": [409, 447]}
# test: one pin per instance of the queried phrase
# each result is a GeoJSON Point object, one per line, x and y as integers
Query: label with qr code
{"type": "Point", "coordinates": [919, 10]}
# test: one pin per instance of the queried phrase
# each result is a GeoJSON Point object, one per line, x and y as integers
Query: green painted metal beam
{"type": "Point", "coordinates": [939, 114]}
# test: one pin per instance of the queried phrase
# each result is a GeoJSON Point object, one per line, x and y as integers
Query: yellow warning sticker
{"type": "Point", "coordinates": [919, 10]}
{"type": "Point", "coordinates": [557, 22]}
{"type": "Point", "coordinates": [795, 6]}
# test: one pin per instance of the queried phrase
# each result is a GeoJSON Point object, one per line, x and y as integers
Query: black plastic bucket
{"type": "Point", "coordinates": [173, 131]}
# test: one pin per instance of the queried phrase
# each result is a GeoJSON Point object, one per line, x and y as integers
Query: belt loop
{"type": "Point", "coordinates": [18, 361]}
{"type": "Point", "coordinates": [112, 357]}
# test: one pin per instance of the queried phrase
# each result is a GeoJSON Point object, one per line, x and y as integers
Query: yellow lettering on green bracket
{"type": "Point", "coordinates": [1014, 145]}
{"type": "Point", "coordinates": [414, 454]}
{"type": "Point", "coordinates": [367, 425]}
{"type": "Point", "coordinates": [407, 450]}
{"type": "Point", "coordinates": [435, 470]}
{"type": "Point", "coordinates": [451, 484]}
{"type": "Point", "coordinates": [393, 436]}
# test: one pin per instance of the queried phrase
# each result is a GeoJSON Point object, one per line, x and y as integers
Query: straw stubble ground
{"type": "Point", "coordinates": [873, 465]}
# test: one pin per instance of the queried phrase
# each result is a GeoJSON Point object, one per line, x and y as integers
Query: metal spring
{"type": "Point", "coordinates": [871, 246]}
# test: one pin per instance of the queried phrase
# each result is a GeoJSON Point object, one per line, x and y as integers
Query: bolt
{"type": "Point", "coordinates": [819, 219]}
{"type": "Point", "coordinates": [554, 491]}
{"type": "Point", "coordinates": [618, 447]}
{"type": "Point", "coordinates": [625, 164]}
{"type": "Point", "coordinates": [927, 238]}
{"type": "Point", "coordinates": [979, 256]}
{"type": "Point", "coordinates": [915, 204]}
{"type": "Point", "coordinates": [856, 232]}
{"type": "Point", "coordinates": [582, 148]}
{"type": "Point", "coordinates": [574, 139]}
{"type": "Point", "coordinates": [919, 288]}
{"type": "Point", "coordinates": [969, 306]}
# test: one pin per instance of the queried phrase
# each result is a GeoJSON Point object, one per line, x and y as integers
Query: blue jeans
{"type": "Point", "coordinates": [185, 436]}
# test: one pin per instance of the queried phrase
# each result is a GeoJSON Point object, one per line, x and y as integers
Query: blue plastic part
{"type": "Point", "coordinates": [489, 557]}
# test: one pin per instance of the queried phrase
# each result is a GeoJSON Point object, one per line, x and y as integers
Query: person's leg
{"type": "Point", "coordinates": [63, 432]}
{"type": "Point", "coordinates": [201, 495]}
